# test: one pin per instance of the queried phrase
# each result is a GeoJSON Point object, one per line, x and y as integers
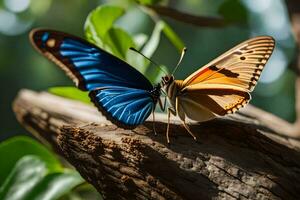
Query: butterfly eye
{"type": "Point", "coordinates": [243, 58]}
{"type": "Point", "coordinates": [165, 79]}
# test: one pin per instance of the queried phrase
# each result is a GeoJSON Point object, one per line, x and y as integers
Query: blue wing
{"type": "Point", "coordinates": [124, 106]}
{"type": "Point", "coordinates": [89, 66]}
{"type": "Point", "coordinates": [121, 92]}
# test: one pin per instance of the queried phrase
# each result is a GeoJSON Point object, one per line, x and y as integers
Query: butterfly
{"type": "Point", "coordinates": [127, 98]}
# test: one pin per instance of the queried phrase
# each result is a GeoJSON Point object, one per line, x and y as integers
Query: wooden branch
{"type": "Point", "coordinates": [202, 21]}
{"type": "Point", "coordinates": [238, 157]}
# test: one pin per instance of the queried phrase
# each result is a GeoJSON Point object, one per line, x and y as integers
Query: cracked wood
{"type": "Point", "coordinates": [238, 157]}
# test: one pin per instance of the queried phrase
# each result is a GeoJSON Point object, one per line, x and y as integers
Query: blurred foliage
{"type": "Point", "coordinates": [31, 179]}
{"type": "Point", "coordinates": [148, 2]}
{"type": "Point", "coordinates": [172, 36]}
{"type": "Point", "coordinates": [15, 148]}
{"type": "Point", "coordinates": [29, 171]}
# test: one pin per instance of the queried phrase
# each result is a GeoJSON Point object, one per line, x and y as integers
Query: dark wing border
{"type": "Point", "coordinates": [66, 64]}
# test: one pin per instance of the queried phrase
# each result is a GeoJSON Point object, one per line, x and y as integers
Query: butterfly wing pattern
{"type": "Point", "coordinates": [223, 86]}
{"type": "Point", "coordinates": [119, 91]}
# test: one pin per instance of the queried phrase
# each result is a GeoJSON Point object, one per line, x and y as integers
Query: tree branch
{"type": "Point", "coordinates": [238, 157]}
{"type": "Point", "coordinates": [202, 21]}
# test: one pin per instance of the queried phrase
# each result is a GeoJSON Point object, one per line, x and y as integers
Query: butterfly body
{"type": "Point", "coordinates": [177, 98]}
{"type": "Point", "coordinates": [127, 98]}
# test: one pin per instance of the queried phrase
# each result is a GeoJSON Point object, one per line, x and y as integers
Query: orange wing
{"type": "Point", "coordinates": [223, 85]}
{"type": "Point", "coordinates": [239, 67]}
{"type": "Point", "coordinates": [218, 101]}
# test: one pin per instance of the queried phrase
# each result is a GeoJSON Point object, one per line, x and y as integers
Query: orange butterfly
{"type": "Point", "coordinates": [222, 86]}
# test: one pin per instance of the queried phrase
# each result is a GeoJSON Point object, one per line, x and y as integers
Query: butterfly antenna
{"type": "Point", "coordinates": [133, 49]}
{"type": "Point", "coordinates": [181, 57]}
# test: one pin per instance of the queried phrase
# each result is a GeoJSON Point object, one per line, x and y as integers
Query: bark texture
{"type": "Point", "coordinates": [243, 156]}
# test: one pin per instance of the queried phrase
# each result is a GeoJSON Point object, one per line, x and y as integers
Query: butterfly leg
{"type": "Point", "coordinates": [163, 108]}
{"type": "Point", "coordinates": [181, 115]}
{"type": "Point", "coordinates": [189, 130]}
{"type": "Point", "coordinates": [170, 110]}
{"type": "Point", "coordinates": [154, 130]}
{"type": "Point", "coordinates": [162, 105]}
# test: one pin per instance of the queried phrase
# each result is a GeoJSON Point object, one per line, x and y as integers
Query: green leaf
{"type": "Point", "coordinates": [154, 74]}
{"type": "Point", "coordinates": [31, 179]}
{"type": "Point", "coordinates": [119, 41]}
{"type": "Point", "coordinates": [55, 185]}
{"type": "Point", "coordinates": [71, 93]}
{"type": "Point", "coordinates": [100, 30]}
{"type": "Point", "coordinates": [100, 21]}
{"type": "Point", "coordinates": [173, 37]}
{"type": "Point", "coordinates": [153, 42]}
{"type": "Point", "coordinates": [148, 2]}
{"type": "Point", "coordinates": [13, 149]}
{"type": "Point", "coordinates": [233, 11]}
{"type": "Point", "coordinates": [137, 61]}
{"type": "Point", "coordinates": [140, 39]}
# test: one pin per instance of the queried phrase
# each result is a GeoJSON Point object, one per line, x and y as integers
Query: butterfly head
{"type": "Point", "coordinates": [167, 80]}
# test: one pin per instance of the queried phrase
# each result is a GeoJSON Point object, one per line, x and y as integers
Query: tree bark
{"type": "Point", "coordinates": [243, 156]}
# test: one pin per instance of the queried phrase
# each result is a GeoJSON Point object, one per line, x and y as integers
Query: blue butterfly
{"type": "Point", "coordinates": [118, 90]}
